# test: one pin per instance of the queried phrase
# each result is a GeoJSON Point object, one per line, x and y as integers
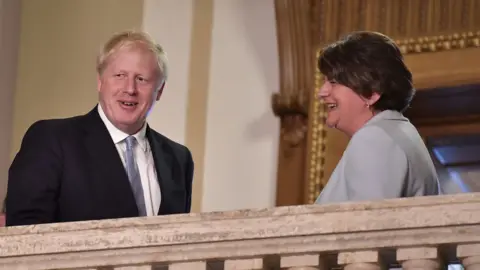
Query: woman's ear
{"type": "Point", "coordinates": [373, 99]}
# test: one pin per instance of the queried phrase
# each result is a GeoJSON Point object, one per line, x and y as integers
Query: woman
{"type": "Point", "coordinates": [367, 88]}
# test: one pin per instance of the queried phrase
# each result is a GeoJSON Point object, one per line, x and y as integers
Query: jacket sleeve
{"type": "Point", "coordinates": [376, 167]}
{"type": "Point", "coordinates": [34, 178]}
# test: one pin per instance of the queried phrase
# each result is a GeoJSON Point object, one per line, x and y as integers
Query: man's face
{"type": "Point", "coordinates": [129, 86]}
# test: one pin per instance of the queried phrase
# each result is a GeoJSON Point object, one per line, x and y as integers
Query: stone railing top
{"type": "Point", "coordinates": [385, 205]}
{"type": "Point", "coordinates": [309, 228]}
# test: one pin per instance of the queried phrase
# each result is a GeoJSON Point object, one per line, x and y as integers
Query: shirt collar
{"type": "Point", "coordinates": [118, 135]}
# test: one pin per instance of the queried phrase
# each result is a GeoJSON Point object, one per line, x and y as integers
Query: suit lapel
{"type": "Point", "coordinates": [163, 166]}
{"type": "Point", "coordinates": [109, 180]}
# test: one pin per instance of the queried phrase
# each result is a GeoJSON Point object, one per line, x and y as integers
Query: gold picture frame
{"type": "Point", "coordinates": [436, 37]}
{"type": "Point", "coordinates": [317, 178]}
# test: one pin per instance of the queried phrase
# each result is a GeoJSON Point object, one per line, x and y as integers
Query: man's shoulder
{"type": "Point", "coordinates": [177, 147]}
{"type": "Point", "coordinates": [164, 139]}
{"type": "Point", "coordinates": [57, 122]}
{"type": "Point", "coordinates": [57, 126]}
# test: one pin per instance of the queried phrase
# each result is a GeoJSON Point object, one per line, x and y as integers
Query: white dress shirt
{"type": "Point", "coordinates": [144, 159]}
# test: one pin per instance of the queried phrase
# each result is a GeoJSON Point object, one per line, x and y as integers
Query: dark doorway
{"type": "Point", "coordinates": [449, 121]}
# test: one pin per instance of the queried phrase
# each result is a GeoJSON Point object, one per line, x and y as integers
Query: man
{"type": "Point", "coordinates": [108, 163]}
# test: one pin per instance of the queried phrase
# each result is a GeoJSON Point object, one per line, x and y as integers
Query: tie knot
{"type": "Point", "coordinates": [130, 140]}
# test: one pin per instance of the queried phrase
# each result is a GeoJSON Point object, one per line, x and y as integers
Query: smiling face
{"type": "Point", "coordinates": [347, 111]}
{"type": "Point", "coordinates": [128, 86]}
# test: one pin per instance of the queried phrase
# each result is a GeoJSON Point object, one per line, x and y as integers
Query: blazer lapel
{"type": "Point", "coordinates": [163, 166]}
{"type": "Point", "coordinates": [109, 182]}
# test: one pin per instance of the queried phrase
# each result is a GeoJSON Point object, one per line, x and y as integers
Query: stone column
{"type": "Point", "coordinates": [133, 267]}
{"type": "Point", "coordinates": [244, 264]}
{"type": "Point", "coordinates": [418, 258]}
{"type": "Point", "coordinates": [360, 260]}
{"type": "Point", "coordinates": [302, 262]}
{"type": "Point", "coordinates": [200, 265]}
{"type": "Point", "coordinates": [470, 256]}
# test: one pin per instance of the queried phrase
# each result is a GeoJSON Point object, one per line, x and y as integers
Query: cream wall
{"type": "Point", "coordinates": [9, 39]}
{"type": "Point", "coordinates": [223, 64]}
{"type": "Point", "coordinates": [242, 133]}
{"type": "Point", "coordinates": [58, 41]}
{"type": "Point", "coordinates": [236, 52]}
{"type": "Point", "coordinates": [58, 44]}
{"type": "Point", "coordinates": [169, 115]}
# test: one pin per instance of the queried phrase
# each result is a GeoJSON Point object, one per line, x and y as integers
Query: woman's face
{"type": "Point", "coordinates": [346, 110]}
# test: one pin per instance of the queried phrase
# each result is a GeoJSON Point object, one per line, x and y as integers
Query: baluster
{"type": "Point", "coordinates": [302, 262]}
{"type": "Point", "coordinates": [244, 264]}
{"type": "Point", "coordinates": [419, 258]}
{"type": "Point", "coordinates": [200, 265]}
{"type": "Point", "coordinates": [360, 260]}
{"type": "Point", "coordinates": [470, 256]}
{"type": "Point", "coordinates": [133, 267]}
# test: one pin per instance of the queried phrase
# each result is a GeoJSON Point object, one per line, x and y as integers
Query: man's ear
{"type": "Point", "coordinates": [99, 82]}
{"type": "Point", "coordinates": [160, 91]}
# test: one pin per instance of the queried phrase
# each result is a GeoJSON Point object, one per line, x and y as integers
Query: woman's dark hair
{"type": "Point", "coordinates": [369, 62]}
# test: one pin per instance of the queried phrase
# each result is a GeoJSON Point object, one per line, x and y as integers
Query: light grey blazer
{"type": "Point", "coordinates": [385, 159]}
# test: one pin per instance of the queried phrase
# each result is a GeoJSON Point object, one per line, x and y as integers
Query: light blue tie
{"type": "Point", "coordinates": [134, 176]}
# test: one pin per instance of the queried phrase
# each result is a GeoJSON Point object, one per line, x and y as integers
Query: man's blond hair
{"type": "Point", "coordinates": [135, 38]}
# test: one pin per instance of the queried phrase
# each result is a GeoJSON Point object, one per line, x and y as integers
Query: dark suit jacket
{"type": "Point", "coordinates": [70, 170]}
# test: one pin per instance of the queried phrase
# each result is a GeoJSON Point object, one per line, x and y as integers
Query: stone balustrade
{"type": "Point", "coordinates": [419, 233]}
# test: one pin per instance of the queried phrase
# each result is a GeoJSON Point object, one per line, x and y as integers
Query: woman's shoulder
{"type": "Point", "coordinates": [371, 134]}
{"type": "Point", "coordinates": [388, 135]}
{"type": "Point", "coordinates": [374, 140]}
